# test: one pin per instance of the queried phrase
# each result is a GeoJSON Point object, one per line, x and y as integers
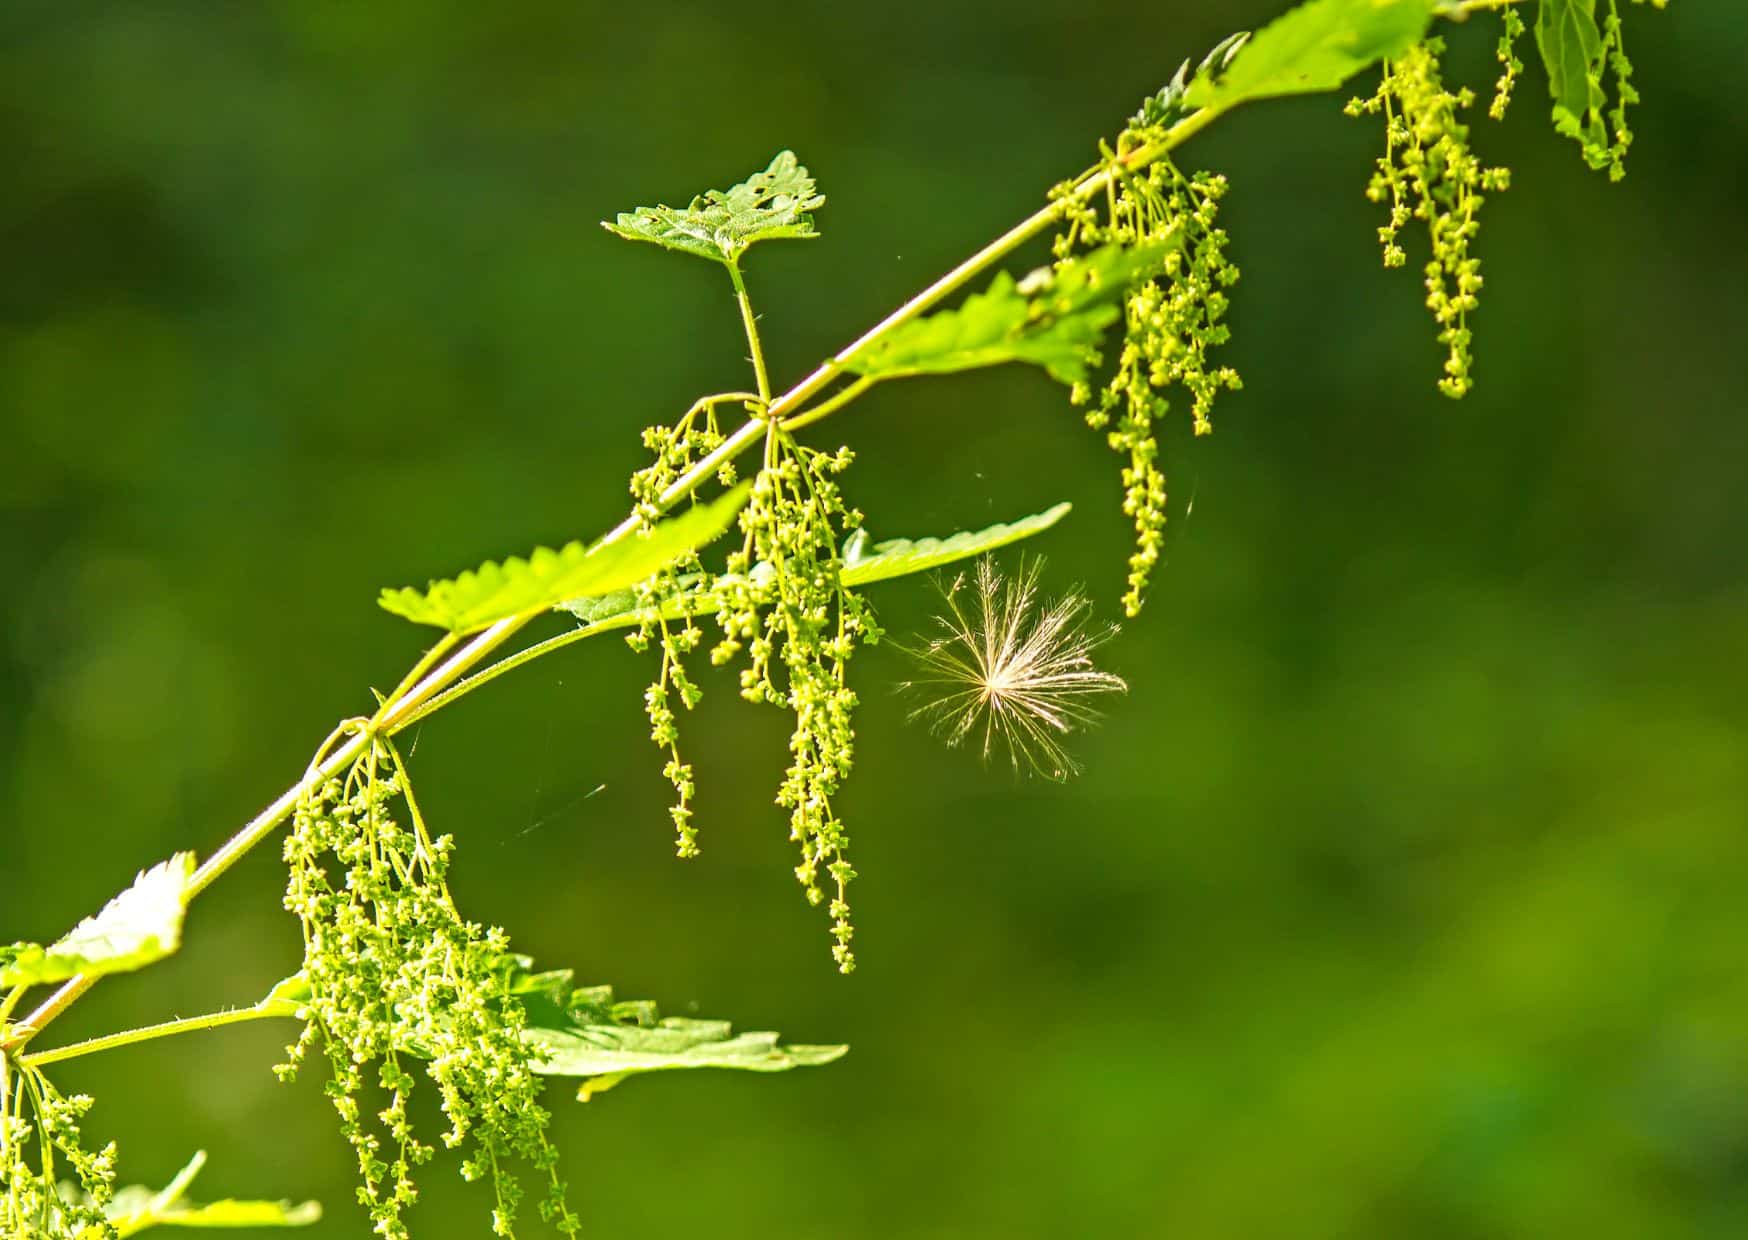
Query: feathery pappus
{"type": "Point", "coordinates": [1012, 669]}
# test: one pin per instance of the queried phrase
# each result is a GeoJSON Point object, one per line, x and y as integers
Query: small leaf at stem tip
{"type": "Point", "coordinates": [1169, 105]}
{"type": "Point", "coordinates": [138, 927]}
{"type": "Point", "coordinates": [494, 591]}
{"type": "Point", "coordinates": [721, 224]}
{"type": "Point", "coordinates": [1315, 47]}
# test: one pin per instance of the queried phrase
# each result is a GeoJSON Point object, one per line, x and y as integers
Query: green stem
{"type": "Point", "coordinates": [168, 1029]}
{"type": "Point", "coordinates": [444, 645]}
{"type": "Point", "coordinates": [750, 321]}
{"type": "Point", "coordinates": [1458, 10]}
{"type": "Point", "coordinates": [829, 406]}
{"type": "Point", "coordinates": [509, 663]}
{"type": "Point", "coordinates": [1090, 185]}
{"type": "Point", "coordinates": [410, 703]}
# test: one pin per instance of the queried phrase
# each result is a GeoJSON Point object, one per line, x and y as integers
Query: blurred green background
{"type": "Point", "coordinates": [1404, 895]}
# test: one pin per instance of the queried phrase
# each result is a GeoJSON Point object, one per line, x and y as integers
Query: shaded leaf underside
{"type": "Point", "coordinates": [1571, 46]}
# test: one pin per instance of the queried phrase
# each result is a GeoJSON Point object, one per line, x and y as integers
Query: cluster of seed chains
{"type": "Point", "coordinates": [394, 972]}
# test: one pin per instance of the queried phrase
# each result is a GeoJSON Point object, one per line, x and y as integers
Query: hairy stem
{"type": "Point", "coordinates": [168, 1029]}
{"type": "Point", "coordinates": [1459, 10]}
{"type": "Point", "coordinates": [509, 663]}
{"type": "Point", "coordinates": [418, 692]}
{"type": "Point", "coordinates": [830, 405]}
{"type": "Point", "coordinates": [750, 321]}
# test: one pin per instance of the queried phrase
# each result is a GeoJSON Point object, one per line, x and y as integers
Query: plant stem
{"type": "Point", "coordinates": [408, 702]}
{"type": "Point", "coordinates": [443, 647]}
{"type": "Point", "coordinates": [829, 406]}
{"type": "Point", "coordinates": [1460, 9]}
{"type": "Point", "coordinates": [169, 1029]}
{"type": "Point", "coordinates": [526, 655]}
{"type": "Point", "coordinates": [750, 321]}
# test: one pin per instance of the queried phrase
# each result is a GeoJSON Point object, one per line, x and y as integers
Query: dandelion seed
{"type": "Point", "coordinates": [1013, 671]}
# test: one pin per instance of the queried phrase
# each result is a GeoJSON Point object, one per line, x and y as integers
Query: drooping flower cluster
{"type": "Point", "coordinates": [1428, 173]}
{"type": "Point", "coordinates": [1510, 64]}
{"type": "Point", "coordinates": [780, 606]}
{"type": "Point", "coordinates": [1606, 143]}
{"type": "Point", "coordinates": [65, 1195]}
{"type": "Point", "coordinates": [783, 602]}
{"type": "Point", "coordinates": [395, 975]}
{"type": "Point", "coordinates": [677, 448]}
{"type": "Point", "coordinates": [1170, 322]}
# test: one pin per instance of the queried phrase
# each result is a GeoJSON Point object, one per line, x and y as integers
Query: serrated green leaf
{"type": "Point", "coordinates": [1571, 46]}
{"type": "Point", "coordinates": [721, 224]}
{"type": "Point", "coordinates": [584, 1032]}
{"type": "Point", "coordinates": [547, 578]}
{"type": "Point", "coordinates": [863, 564]}
{"type": "Point", "coordinates": [900, 557]}
{"type": "Point", "coordinates": [1057, 325]}
{"type": "Point", "coordinates": [1315, 47]}
{"type": "Point", "coordinates": [136, 1209]}
{"type": "Point", "coordinates": [1170, 103]}
{"type": "Point", "coordinates": [141, 925]}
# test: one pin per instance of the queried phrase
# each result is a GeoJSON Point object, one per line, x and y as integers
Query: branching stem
{"type": "Point", "coordinates": [419, 692]}
{"type": "Point", "coordinates": [830, 405]}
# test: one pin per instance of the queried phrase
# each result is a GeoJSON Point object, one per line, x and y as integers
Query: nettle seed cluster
{"type": "Point", "coordinates": [1171, 319]}
{"type": "Point", "coordinates": [796, 523]}
{"type": "Point", "coordinates": [780, 607]}
{"type": "Point", "coordinates": [1429, 173]}
{"type": "Point", "coordinates": [396, 976]}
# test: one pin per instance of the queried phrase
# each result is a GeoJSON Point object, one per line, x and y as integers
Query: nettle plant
{"type": "Point", "coordinates": [398, 986]}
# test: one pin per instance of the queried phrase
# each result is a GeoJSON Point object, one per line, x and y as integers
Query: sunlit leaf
{"type": "Point", "coordinates": [1315, 47]}
{"type": "Point", "coordinates": [900, 557]}
{"type": "Point", "coordinates": [1052, 319]}
{"type": "Point", "coordinates": [141, 925]}
{"type": "Point", "coordinates": [136, 1209]}
{"type": "Point", "coordinates": [584, 1032]}
{"type": "Point", "coordinates": [495, 591]}
{"type": "Point", "coordinates": [721, 224]}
